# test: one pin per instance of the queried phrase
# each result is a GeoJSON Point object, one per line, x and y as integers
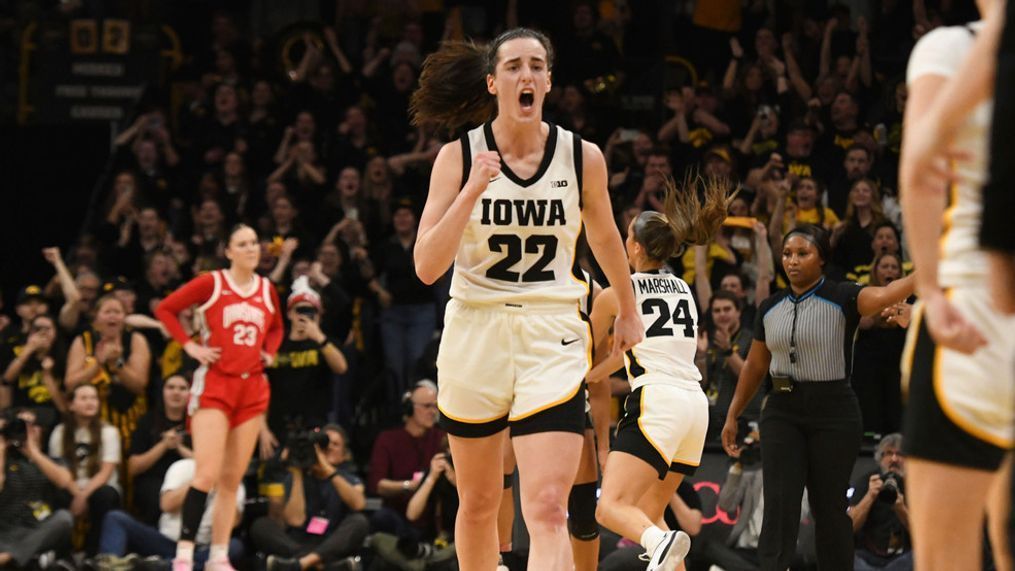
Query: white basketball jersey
{"type": "Point", "coordinates": [666, 355]}
{"type": "Point", "coordinates": [963, 263]}
{"type": "Point", "coordinates": [519, 244]}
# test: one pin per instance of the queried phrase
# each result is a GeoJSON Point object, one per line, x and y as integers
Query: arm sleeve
{"type": "Point", "coordinates": [110, 445]}
{"type": "Point", "coordinates": [846, 294]}
{"type": "Point", "coordinates": [996, 232]}
{"type": "Point", "coordinates": [379, 464]}
{"type": "Point", "coordinates": [196, 291]}
{"type": "Point", "coordinates": [273, 337]}
{"type": "Point", "coordinates": [759, 319]}
{"type": "Point", "coordinates": [939, 52]}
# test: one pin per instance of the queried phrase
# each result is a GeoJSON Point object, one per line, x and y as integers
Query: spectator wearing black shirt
{"type": "Point", "coordinates": [725, 348]}
{"type": "Point", "coordinates": [302, 375]}
{"type": "Point", "coordinates": [586, 53]}
{"type": "Point", "coordinates": [811, 419]}
{"type": "Point", "coordinates": [845, 115]}
{"type": "Point", "coordinates": [409, 320]}
{"type": "Point", "coordinates": [28, 481]}
{"type": "Point", "coordinates": [878, 510]}
{"type": "Point", "coordinates": [852, 237]}
{"type": "Point", "coordinates": [223, 131]}
{"type": "Point", "coordinates": [856, 164]}
{"type": "Point", "coordinates": [798, 158]}
{"type": "Point", "coordinates": [356, 143]}
{"type": "Point", "coordinates": [321, 520]}
{"type": "Point", "coordinates": [34, 372]}
{"type": "Point", "coordinates": [158, 442]}
{"type": "Point", "coordinates": [876, 377]}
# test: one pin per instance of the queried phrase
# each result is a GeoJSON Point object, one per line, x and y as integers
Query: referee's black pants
{"type": "Point", "coordinates": [811, 437]}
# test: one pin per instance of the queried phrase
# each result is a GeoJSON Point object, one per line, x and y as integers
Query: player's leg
{"type": "Point", "coordinates": [998, 514]}
{"type": "Point", "coordinates": [506, 512]}
{"type": "Point", "coordinates": [478, 468]}
{"type": "Point", "coordinates": [210, 428]}
{"type": "Point", "coordinates": [932, 501]}
{"type": "Point", "coordinates": [581, 508]}
{"type": "Point", "coordinates": [547, 464]}
{"type": "Point", "coordinates": [657, 497]}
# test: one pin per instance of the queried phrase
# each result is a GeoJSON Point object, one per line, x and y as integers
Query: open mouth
{"type": "Point", "coordinates": [527, 99]}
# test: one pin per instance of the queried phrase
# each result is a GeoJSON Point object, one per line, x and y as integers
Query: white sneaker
{"type": "Point", "coordinates": [670, 551]}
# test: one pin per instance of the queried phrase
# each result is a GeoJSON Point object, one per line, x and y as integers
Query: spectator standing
{"type": "Point", "coordinates": [409, 318]}
{"type": "Point", "coordinates": [35, 372]}
{"type": "Point", "coordinates": [116, 362]}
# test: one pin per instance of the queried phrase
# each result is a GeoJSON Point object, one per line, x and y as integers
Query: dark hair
{"type": "Point", "coordinates": [452, 84]}
{"type": "Point", "coordinates": [726, 295]}
{"type": "Point", "coordinates": [685, 220]}
{"type": "Point", "coordinates": [70, 428]}
{"type": "Point", "coordinates": [815, 235]}
{"type": "Point", "coordinates": [240, 226]}
{"type": "Point", "coordinates": [820, 189]}
{"type": "Point", "coordinates": [874, 279]}
{"type": "Point", "coordinates": [860, 147]}
{"type": "Point", "coordinates": [887, 224]}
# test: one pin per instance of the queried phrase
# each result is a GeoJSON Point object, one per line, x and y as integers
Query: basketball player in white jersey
{"type": "Point", "coordinates": [661, 436]}
{"type": "Point", "coordinates": [506, 205]}
{"type": "Point", "coordinates": [959, 364]}
{"type": "Point", "coordinates": [581, 503]}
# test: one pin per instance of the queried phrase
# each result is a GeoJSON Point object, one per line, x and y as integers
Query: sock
{"type": "Point", "coordinates": [651, 537]}
{"type": "Point", "coordinates": [218, 553]}
{"type": "Point", "coordinates": [190, 516]}
{"type": "Point", "coordinates": [185, 551]}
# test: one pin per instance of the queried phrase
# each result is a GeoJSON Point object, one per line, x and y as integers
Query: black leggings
{"type": "Point", "coordinates": [810, 437]}
{"type": "Point", "coordinates": [345, 539]}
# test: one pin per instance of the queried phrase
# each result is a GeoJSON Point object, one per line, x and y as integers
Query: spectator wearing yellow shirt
{"type": "Point", "coordinates": [809, 193]}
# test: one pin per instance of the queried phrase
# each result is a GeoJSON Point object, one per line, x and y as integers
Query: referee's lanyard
{"type": "Point", "coordinates": [796, 304]}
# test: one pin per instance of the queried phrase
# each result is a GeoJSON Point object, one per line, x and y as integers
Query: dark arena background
{"type": "Point", "coordinates": [135, 133]}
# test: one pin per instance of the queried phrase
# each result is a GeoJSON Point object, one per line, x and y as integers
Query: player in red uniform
{"type": "Point", "coordinates": [241, 329]}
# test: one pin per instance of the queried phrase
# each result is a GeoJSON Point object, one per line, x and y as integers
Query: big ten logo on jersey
{"type": "Point", "coordinates": [248, 319]}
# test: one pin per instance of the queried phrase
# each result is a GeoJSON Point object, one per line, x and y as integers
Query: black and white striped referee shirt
{"type": "Point", "coordinates": [811, 335]}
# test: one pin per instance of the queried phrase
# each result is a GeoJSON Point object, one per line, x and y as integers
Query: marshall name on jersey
{"type": "Point", "coordinates": [670, 317]}
{"type": "Point", "coordinates": [519, 244]}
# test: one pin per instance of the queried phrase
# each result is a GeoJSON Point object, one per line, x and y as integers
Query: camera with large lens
{"type": "Point", "coordinates": [302, 444]}
{"type": "Point", "coordinates": [891, 482]}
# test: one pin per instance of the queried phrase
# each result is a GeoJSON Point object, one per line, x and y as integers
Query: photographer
{"type": "Point", "coordinates": [302, 375]}
{"type": "Point", "coordinates": [28, 480]}
{"type": "Point", "coordinates": [320, 524]}
{"type": "Point", "coordinates": [879, 513]}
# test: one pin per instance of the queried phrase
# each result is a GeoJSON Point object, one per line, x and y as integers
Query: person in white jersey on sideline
{"type": "Point", "coordinates": [507, 203]}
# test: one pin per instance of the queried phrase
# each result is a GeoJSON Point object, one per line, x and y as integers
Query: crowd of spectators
{"type": "Point", "coordinates": [304, 134]}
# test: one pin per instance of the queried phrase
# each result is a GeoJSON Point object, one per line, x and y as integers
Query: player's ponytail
{"type": "Point", "coordinates": [685, 219]}
{"type": "Point", "coordinates": [452, 89]}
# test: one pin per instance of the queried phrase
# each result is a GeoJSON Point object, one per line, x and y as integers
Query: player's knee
{"type": "Point", "coordinates": [479, 504]}
{"type": "Point", "coordinates": [206, 476]}
{"type": "Point", "coordinates": [581, 510]}
{"type": "Point", "coordinates": [546, 506]}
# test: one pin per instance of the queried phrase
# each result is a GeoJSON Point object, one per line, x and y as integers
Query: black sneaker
{"type": "Point", "coordinates": [276, 563]}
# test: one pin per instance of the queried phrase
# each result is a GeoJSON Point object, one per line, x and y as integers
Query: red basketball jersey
{"type": "Point", "coordinates": [240, 322]}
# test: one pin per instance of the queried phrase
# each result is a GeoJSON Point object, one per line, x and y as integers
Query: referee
{"type": "Point", "coordinates": [810, 420]}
